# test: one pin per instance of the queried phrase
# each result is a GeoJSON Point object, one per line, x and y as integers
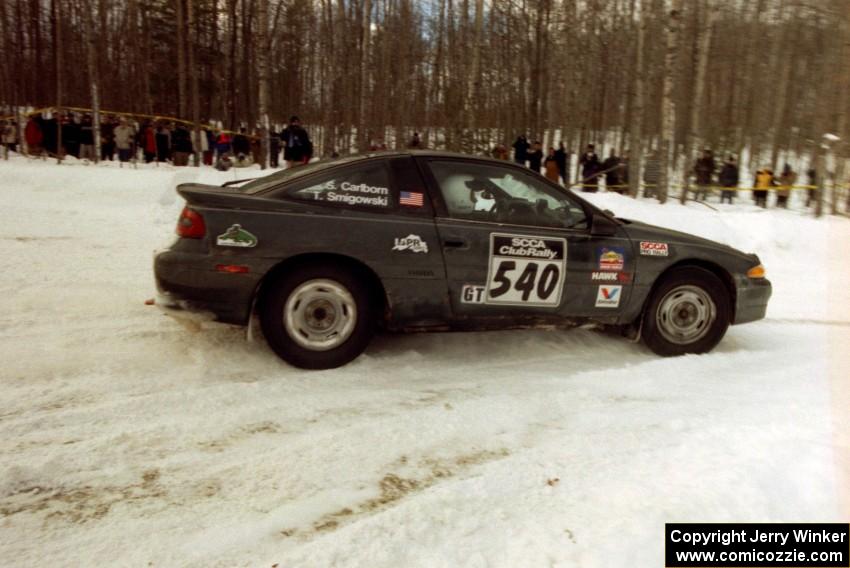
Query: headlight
{"type": "Point", "coordinates": [756, 272]}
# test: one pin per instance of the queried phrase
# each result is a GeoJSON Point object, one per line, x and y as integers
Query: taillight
{"type": "Point", "coordinates": [191, 225]}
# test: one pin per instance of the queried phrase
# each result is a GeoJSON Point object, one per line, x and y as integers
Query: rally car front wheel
{"type": "Point", "coordinates": [688, 312]}
{"type": "Point", "coordinates": [317, 317]}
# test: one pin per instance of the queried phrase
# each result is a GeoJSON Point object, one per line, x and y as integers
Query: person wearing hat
{"type": "Point", "coordinates": [297, 148]}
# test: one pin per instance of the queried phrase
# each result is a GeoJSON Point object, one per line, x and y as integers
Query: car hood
{"type": "Point", "coordinates": [639, 231]}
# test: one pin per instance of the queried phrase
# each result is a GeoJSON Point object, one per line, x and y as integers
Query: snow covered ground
{"type": "Point", "coordinates": [128, 440]}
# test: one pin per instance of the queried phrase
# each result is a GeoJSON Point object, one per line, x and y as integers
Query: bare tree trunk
{"type": "Point", "coordinates": [362, 128]}
{"type": "Point", "coordinates": [93, 77]}
{"type": "Point", "coordinates": [57, 58]}
{"type": "Point", "coordinates": [668, 108]}
{"type": "Point", "coordinates": [262, 76]}
{"type": "Point", "coordinates": [192, 45]}
{"type": "Point", "coordinates": [180, 37]}
{"type": "Point", "coordinates": [635, 134]}
{"type": "Point", "coordinates": [703, 47]}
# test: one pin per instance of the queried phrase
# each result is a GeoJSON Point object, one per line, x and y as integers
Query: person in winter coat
{"type": "Point", "coordinates": [521, 147]}
{"type": "Point", "coordinates": [71, 135]}
{"type": "Point", "coordinates": [124, 140]}
{"type": "Point", "coordinates": [651, 174]}
{"type": "Point", "coordinates": [415, 142]}
{"type": "Point", "coordinates": [500, 152]}
{"type": "Point", "coordinates": [241, 143]}
{"type": "Point", "coordinates": [552, 170]}
{"type": "Point", "coordinates": [257, 147]}
{"type": "Point", "coordinates": [704, 171]}
{"type": "Point", "coordinates": [274, 149]}
{"type": "Point", "coordinates": [9, 133]}
{"type": "Point", "coordinates": [149, 143]}
{"type": "Point", "coordinates": [181, 145]}
{"type": "Point", "coordinates": [50, 134]}
{"type": "Point", "coordinates": [787, 179]}
{"type": "Point", "coordinates": [535, 157]}
{"type": "Point", "coordinates": [611, 167]}
{"type": "Point", "coordinates": [107, 139]}
{"type": "Point", "coordinates": [33, 135]}
{"type": "Point", "coordinates": [562, 158]}
{"type": "Point", "coordinates": [297, 147]}
{"type": "Point", "coordinates": [764, 182]}
{"type": "Point", "coordinates": [590, 168]}
{"type": "Point", "coordinates": [163, 143]}
{"type": "Point", "coordinates": [728, 178]}
{"type": "Point", "coordinates": [624, 171]}
{"type": "Point", "coordinates": [811, 192]}
{"type": "Point", "coordinates": [223, 144]}
{"type": "Point", "coordinates": [87, 138]}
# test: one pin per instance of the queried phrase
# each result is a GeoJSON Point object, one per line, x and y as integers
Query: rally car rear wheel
{"type": "Point", "coordinates": [317, 317]}
{"type": "Point", "coordinates": [688, 313]}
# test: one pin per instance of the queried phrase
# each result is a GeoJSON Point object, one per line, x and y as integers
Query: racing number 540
{"type": "Point", "coordinates": [530, 280]}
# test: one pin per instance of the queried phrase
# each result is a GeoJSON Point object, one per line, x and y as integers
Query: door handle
{"type": "Point", "coordinates": [455, 243]}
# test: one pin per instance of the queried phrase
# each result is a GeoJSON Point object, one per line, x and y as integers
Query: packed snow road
{"type": "Point", "coordinates": [130, 440]}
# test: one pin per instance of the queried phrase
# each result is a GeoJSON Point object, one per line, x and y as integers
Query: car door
{"type": "Point", "coordinates": [517, 246]}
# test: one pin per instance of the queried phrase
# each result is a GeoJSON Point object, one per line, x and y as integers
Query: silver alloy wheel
{"type": "Point", "coordinates": [320, 314]}
{"type": "Point", "coordinates": [685, 314]}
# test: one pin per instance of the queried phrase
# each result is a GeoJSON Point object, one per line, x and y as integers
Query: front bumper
{"type": "Point", "coordinates": [752, 295]}
{"type": "Point", "coordinates": [189, 284]}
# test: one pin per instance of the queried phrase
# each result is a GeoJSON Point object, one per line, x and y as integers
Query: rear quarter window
{"type": "Point", "coordinates": [361, 186]}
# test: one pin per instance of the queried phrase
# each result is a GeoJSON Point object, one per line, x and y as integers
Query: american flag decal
{"type": "Point", "coordinates": [411, 198]}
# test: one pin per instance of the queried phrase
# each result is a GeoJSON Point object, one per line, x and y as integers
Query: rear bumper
{"type": "Point", "coordinates": [752, 297]}
{"type": "Point", "coordinates": [189, 284]}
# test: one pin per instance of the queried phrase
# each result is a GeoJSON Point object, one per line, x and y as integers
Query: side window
{"type": "Point", "coordinates": [363, 185]}
{"type": "Point", "coordinates": [481, 192]}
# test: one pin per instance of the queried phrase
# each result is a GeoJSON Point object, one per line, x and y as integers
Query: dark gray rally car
{"type": "Point", "coordinates": [327, 252]}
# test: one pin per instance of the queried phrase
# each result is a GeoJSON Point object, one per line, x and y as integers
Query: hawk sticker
{"type": "Point", "coordinates": [236, 236]}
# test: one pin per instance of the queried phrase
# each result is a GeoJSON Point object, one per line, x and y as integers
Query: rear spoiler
{"type": "Point", "coordinates": [214, 195]}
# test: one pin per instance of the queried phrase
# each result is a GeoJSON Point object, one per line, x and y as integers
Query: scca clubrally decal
{"type": "Point", "coordinates": [526, 270]}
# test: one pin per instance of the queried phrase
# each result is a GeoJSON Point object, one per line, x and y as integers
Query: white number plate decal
{"type": "Point", "coordinates": [526, 270]}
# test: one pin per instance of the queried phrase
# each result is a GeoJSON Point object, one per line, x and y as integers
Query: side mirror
{"type": "Point", "coordinates": [602, 226]}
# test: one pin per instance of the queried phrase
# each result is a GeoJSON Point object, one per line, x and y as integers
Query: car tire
{"type": "Point", "coordinates": [689, 312]}
{"type": "Point", "coordinates": [317, 316]}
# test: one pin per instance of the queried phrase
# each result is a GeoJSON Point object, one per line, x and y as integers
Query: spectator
{"type": "Point", "coordinates": [521, 149]}
{"type": "Point", "coordinates": [500, 152]}
{"type": "Point", "coordinates": [149, 143]}
{"type": "Point", "coordinates": [257, 147]}
{"type": "Point", "coordinates": [107, 139]}
{"type": "Point", "coordinates": [87, 138]}
{"type": "Point", "coordinates": [200, 141]}
{"type": "Point", "coordinates": [562, 158]}
{"type": "Point", "coordinates": [241, 143]}
{"type": "Point", "coordinates": [611, 167]}
{"type": "Point", "coordinates": [553, 172]}
{"type": "Point", "coordinates": [728, 178]}
{"type": "Point", "coordinates": [163, 143]}
{"type": "Point", "coordinates": [704, 170]}
{"type": "Point", "coordinates": [274, 149]}
{"type": "Point", "coordinates": [415, 143]}
{"type": "Point", "coordinates": [9, 132]}
{"type": "Point", "coordinates": [787, 179]}
{"type": "Point", "coordinates": [535, 157]}
{"type": "Point", "coordinates": [297, 148]}
{"type": "Point", "coordinates": [50, 134]}
{"type": "Point", "coordinates": [209, 152]}
{"type": "Point", "coordinates": [624, 171]}
{"type": "Point", "coordinates": [812, 176]}
{"type": "Point", "coordinates": [223, 144]}
{"type": "Point", "coordinates": [33, 135]}
{"type": "Point", "coordinates": [590, 168]}
{"type": "Point", "coordinates": [71, 135]}
{"type": "Point", "coordinates": [651, 174]}
{"type": "Point", "coordinates": [764, 181]}
{"type": "Point", "coordinates": [124, 140]}
{"type": "Point", "coordinates": [181, 145]}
